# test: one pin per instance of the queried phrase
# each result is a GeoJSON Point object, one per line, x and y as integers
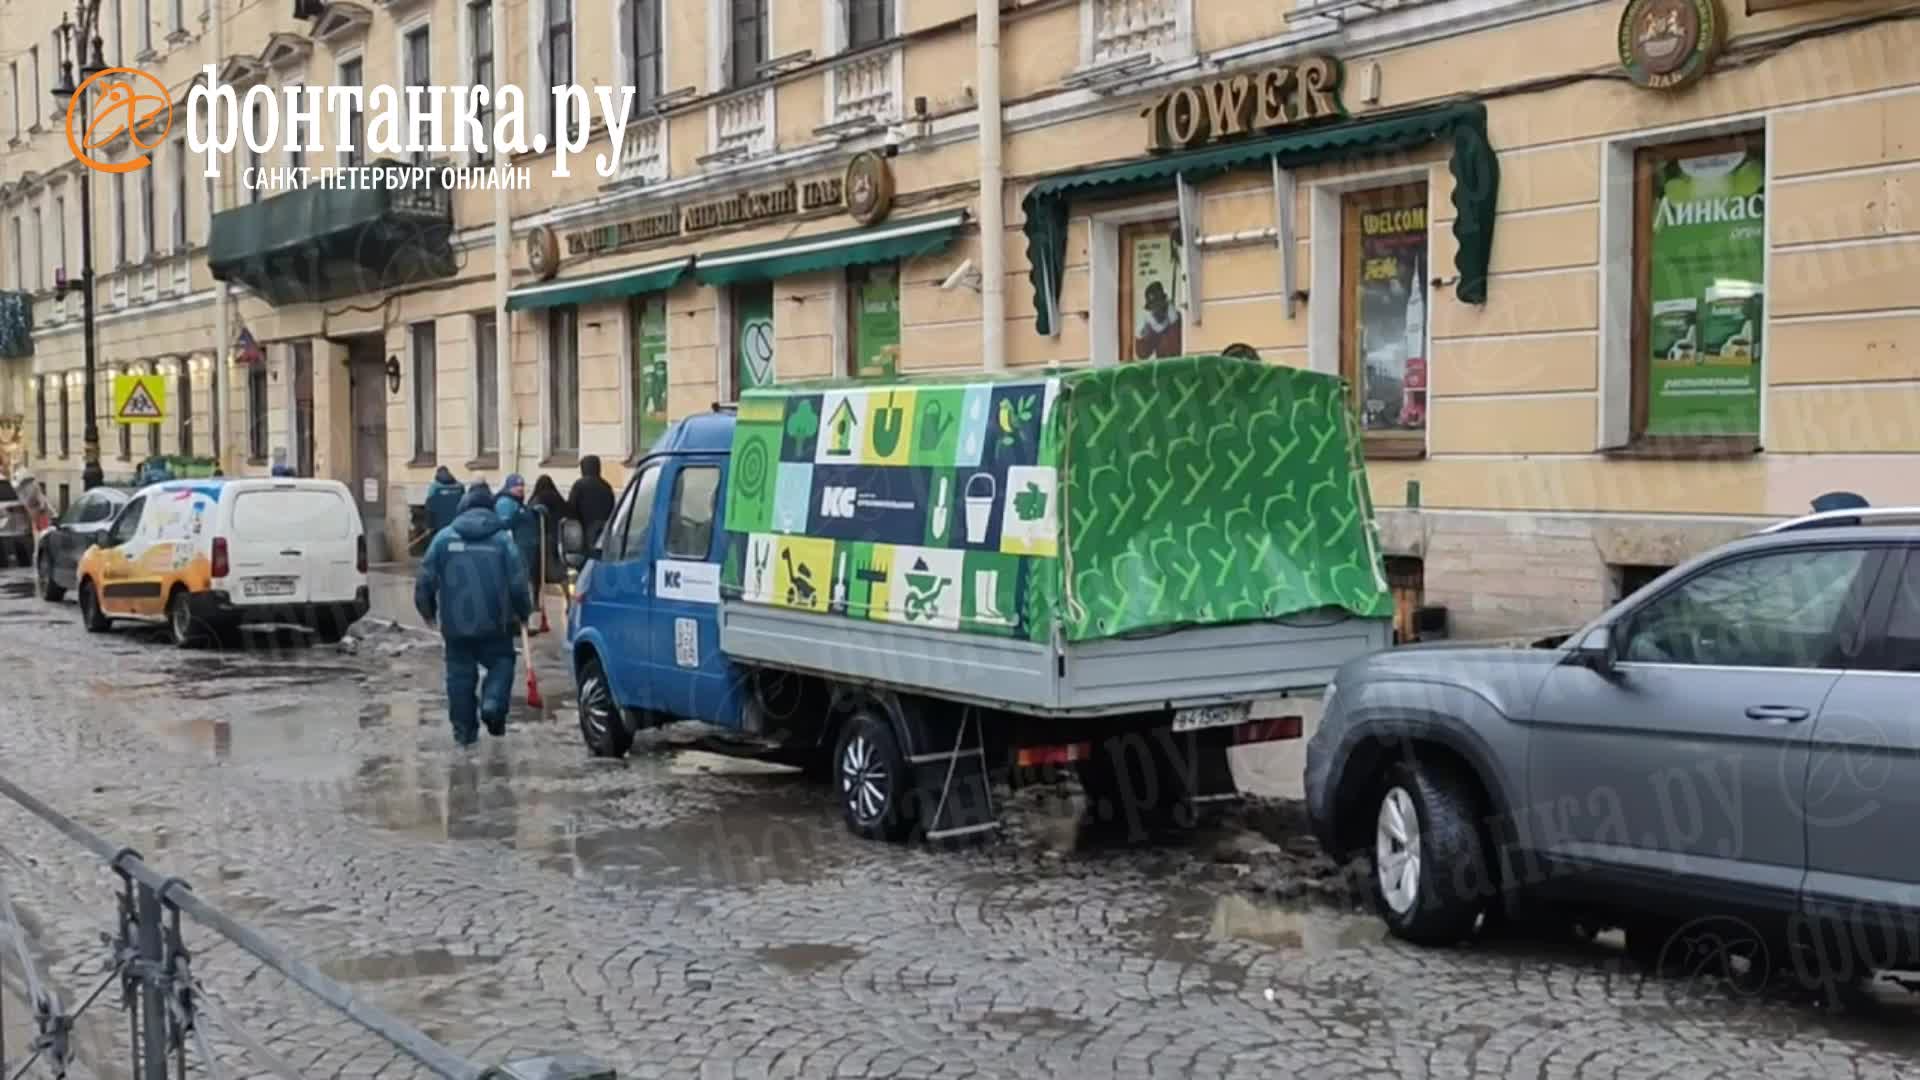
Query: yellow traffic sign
{"type": "Point", "coordinates": [139, 399]}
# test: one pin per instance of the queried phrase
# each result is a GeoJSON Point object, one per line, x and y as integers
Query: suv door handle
{"type": "Point", "coordinates": [1777, 714]}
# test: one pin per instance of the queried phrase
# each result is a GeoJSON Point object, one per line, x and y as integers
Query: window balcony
{"type": "Point", "coordinates": [864, 91]}
{"type": "Point", "coordinates": [740, 126]}
{"type": "Point", "coordinates": [321, 243]}
{"type": "Point", "coordinates": [643, 156]}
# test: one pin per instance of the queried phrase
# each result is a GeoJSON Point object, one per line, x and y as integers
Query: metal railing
{"type": "Point", "coordinates": [165, 1002]}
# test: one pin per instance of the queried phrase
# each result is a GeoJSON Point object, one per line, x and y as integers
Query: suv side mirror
{"type": "Point", "coordinates": [1599, 651]}
{"type": "Point", "coordinates": [573, 543]}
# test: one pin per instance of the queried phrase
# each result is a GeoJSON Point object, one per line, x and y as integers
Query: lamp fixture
{"type": "Point", "coordinates": [393, 374]}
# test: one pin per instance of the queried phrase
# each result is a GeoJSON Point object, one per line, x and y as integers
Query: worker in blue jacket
{"type": "Point", "coordinates": [443, 500]}
{"type": "Point", "coordinates": [473, 585]}
{"type": "Point", "coordinates": [523, 522]}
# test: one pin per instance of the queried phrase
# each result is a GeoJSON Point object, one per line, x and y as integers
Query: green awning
{"type": "Point", "coordinates": [612, 285]}
{"type": "Point", "coordinates": [832, 251]}
{"type": "Point", "coordinates": [1476, 175]}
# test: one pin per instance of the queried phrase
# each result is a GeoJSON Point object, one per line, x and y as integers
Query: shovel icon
{"type": "Point", "coordinates": [887, 427]}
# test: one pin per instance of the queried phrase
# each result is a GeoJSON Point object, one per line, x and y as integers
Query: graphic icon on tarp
{"type": "Point", "coordinates": [802, 424]}
{"type": "Point", "coordinates": [1030, 503]}
{"type": "Point", "coordinates": [840, 430]}
{"type": "Point", "coordinates": [888, 424]}
{"type": "Point", "coordinates": [800, 588]}
{"type": "Point", "coordinates": [924, 589]}
{"type": "Point", "coordinates": [934, 425]}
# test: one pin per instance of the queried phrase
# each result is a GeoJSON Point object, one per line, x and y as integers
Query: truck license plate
{"type": "Point", "coordinates": [1210, 716]}
{"type": "Point", "coordinates": [270, 587]}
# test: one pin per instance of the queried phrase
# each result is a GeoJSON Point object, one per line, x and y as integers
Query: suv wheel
{"type": "Point", "coordinates": [1428, 857]}
{"type": "Point", "coordinates": [602, 727]}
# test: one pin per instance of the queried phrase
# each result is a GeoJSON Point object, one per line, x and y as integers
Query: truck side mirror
{"type": "Point", "coordinates": [1599, 651]}
{"type": "Point", "coordinates": [573, 543]}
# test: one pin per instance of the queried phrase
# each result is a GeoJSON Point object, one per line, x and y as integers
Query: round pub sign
{"type": "Point", "coordinates": [543, 252]}
{"type": "Point", "coordinates": [1668, 44]}
{"type": "Point", "coordinates": [869, 188]}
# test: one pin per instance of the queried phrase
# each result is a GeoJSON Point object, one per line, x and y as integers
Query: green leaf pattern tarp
{"type": "Point", "coordinates": [1094, 503]}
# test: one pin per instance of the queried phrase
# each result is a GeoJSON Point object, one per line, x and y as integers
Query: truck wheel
{"type": "Point", "coordinates": [50, 590]}
{"type": "Point", "coordinates": [1427, 855]}
{"type": "Point", "coordinates": [91, 616]}
{"type": "Point", "coordinates": [601, 725]}
{"type": "Point", "coordinates": [872, 778]}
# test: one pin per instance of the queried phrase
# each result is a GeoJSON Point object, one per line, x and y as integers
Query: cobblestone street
{"type": "Point", "coordinates": [682, 915]}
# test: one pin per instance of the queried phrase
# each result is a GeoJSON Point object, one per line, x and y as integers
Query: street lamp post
{"type": "Point", "coordinates": [80, 39]}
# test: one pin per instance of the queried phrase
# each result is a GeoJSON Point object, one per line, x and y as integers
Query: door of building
{"type": "Point", "coordinates": [367, 368]}
{"type": "Point", "coordinates": [303, 408]}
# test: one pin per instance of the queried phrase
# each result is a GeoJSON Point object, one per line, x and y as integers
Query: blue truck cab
{"type": "Point", "coordinates": [644, 636]}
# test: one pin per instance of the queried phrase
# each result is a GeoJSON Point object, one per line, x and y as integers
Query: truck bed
{"type": "Point", "coordinates": [1187, 666]}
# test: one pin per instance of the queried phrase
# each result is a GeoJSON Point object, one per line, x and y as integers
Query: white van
{"type": "Point", "coordinates": [207, 556]}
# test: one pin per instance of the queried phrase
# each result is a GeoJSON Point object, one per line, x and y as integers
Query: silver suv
{"type": "Point", "coordinates": [1739, 740]}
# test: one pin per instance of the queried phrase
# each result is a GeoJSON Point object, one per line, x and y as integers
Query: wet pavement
{"type": "Point", "coordinates": [688, 914]}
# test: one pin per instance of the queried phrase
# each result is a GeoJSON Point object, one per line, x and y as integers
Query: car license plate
{"type": "Point", "coordinates": [274, 586]}
{"type": "Point", "coordinates": [1210, 716]}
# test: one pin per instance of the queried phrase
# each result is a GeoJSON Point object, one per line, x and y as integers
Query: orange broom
{"type": "Point", "coordinates": [533, 680]}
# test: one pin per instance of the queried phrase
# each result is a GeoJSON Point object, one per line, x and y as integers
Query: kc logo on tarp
{"type": "Point", "coordinates": [837, 502]}
{"type": "Point", "coordinates": [127, 101]}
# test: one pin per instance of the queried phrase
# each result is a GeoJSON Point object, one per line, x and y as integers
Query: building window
{"type": "Point", "coordinates": [33, 52]}
{"type": "Point", "coordinates": [645, 57]}
{"type": "Point", "coordinates": [39, 251]}
{"type": "Point", "coordinates": [480, 48]}
{"type": "Point", "coordinates": [40, 414]}
{"type": "Point", "coordinates": [257, 411]}
{"type": "Point", "coordinates": [349, 75]}
{"type": "Point", "coordinates": [1699, 262]}
{"type": "Point", "coordinates": [647, 369]}
{"type": "Point", "coordinates": [254, 162]}
{"type": "Point", "coordinates": [66, 416]}
{"type": "Point", "coordinates": [869, 22]}
{"type": "Point", "coordinates": [563, 380]}
{"type": "Point", "coordinates": [426, 391]}
{"type": "Point", "coordinates": [179, 8]}
{"type": "Point", "coordinates": [184, 409]}
{"type": "Point", "coordinates": [153, 435]}
{"type": "Point", "coordinates": [752, 337]}
{"type": "Point", "coordinates": [1152, 291]}
{"type": "Point", "coordinates": [873, 318]}
{"type": "Point", "coordinates": [60, 231]}
{"type": "Point", "coordinates": [1383, 315]}
{"type": "Point", "coordinates": [19, 255]}
{"type": "Point", "coordinates": [486, 385]}
{"type": "Point", "coordinates": [146, 26]}
{"type": "Point", "coordinates": [147, 216]}
{"type": "Point", "coordinates": [747, 41]}
{"type": "Point", "coordinates": [13, 74]}
{"type": "Point", "coordinates": [125, 430]}
{"type": "Point", "coordinates": [120, 246]}
{"type": "Point", "coordinates": [417, 63]}
{"type": "Point", "coordinates": [559, 60]}
{"type": "Point", "coordinates": [180, 190]}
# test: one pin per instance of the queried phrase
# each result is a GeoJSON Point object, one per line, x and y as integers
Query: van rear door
{"type": "Point", "coordinates": [291, 543]}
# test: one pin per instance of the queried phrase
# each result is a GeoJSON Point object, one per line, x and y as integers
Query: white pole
{"type": "Point", "coordinates": [222, 329]}
{"type": "Point", "coordinates": [502, 271]}
{"type": "Point", "coordinates": [993, 230]}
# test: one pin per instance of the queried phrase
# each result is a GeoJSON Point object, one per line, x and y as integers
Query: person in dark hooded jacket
{"type": "Point", "coordinates": [590, 500]}
{"type": "Point", "coordinates": [443, 500]}
{"type": "Point", "coordinates": [473, 585]}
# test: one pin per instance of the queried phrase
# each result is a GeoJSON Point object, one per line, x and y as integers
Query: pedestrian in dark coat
{"type": "Point", "coordinates": [443, 499]}
{"type": "Point", "coordinates": [523, 522]}
{"type": "Point", "coordinates": [552, 506]}
{"type": "Point", "coordinates": [590, 502]}
{"type": "Point", "coordinates": [473, 586]}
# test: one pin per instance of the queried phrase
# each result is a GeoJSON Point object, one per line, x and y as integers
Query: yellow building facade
{"type": "Point", "coordinates": [1611, 283]}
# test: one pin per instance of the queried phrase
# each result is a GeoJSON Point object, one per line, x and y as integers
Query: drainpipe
{"type": "Point", "coordinates": [993, 226]}
{"type": "Point", "coordinates": [502, 272]}
{"type": "Point", "coordinates": [222, 330]}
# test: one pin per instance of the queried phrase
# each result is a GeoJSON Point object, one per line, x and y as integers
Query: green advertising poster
{"type": "Point", "coordinates": [1706, 267]}
{"type": "Point", "coordinates": [876, 323]}
{"type": "Point", "coordinates": [650, 367]}
{"type": "Point", "coordinates": [753, 336]}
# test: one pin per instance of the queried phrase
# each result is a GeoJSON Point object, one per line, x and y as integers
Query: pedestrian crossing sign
{"type": "Point", "coordinates": [139, 399]}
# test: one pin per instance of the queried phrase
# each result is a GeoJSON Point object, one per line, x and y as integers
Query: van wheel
{"type": "Point", "coordinates": [872, 778]}
{"type": "Point", "coordinates": [186, 631]}
{"type": "Point", "coordinates": [328, 630]}
{"type": "Point", "coordinates": [602, 726]}
{"type": "Point", "coordinates": [23, 553]}
{"type": "Point", "coordinates": [50, 590]}
{"type": "Point", "coordinates": [1428, 856]}
{"type": "Point", "coordinates": [91, 616]}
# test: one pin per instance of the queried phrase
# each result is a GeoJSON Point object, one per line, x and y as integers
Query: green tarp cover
{"type": "Point", "coordinates": [655, 277]}
{"type": "Point", "coordinates": [895, 240]}
{"type": "Point", "coordinates": [1101, 502]}
{"type": "Point", "coordinates": [1476, 176]}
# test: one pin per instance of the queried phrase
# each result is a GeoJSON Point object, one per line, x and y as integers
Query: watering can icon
{"type": "Point", "coordinates": [934, 425]}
